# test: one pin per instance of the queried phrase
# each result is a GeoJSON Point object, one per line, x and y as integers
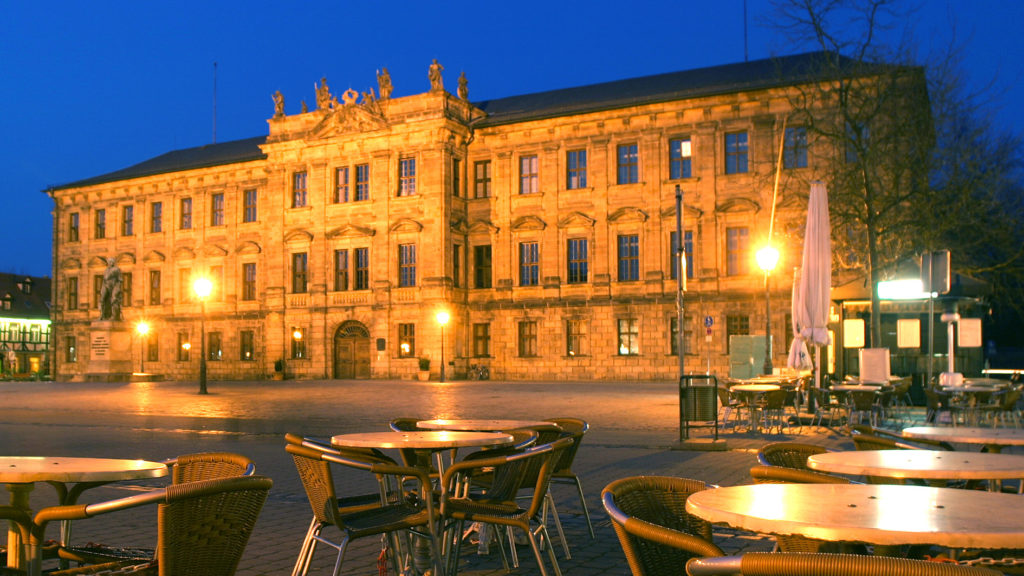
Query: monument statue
{"type": "Point", "coordinates": [384, 83]}
{"type": "Point", "coordinates": [463, 87]}
{"type": "Point", "coordinates": [278, 104]}
{"type": "Point", "coordinates": [110, 292]}
{"type": "Point", "coordinates": [436, 82]}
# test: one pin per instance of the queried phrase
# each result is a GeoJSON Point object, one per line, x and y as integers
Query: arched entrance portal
{"type": "Point", "coordinates": [352, 351]}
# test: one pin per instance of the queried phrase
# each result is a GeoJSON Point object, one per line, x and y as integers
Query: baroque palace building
{"type": "Point", "coordinates": [544, 224]}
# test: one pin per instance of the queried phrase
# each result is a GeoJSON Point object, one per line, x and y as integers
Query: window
{"type": "Point", "coordinates": [529, 264]}
{"type": "Point", "coordinates": [249, 281]}
{"type": "Point", "coordinates": [528, 339]}
{"type": "Point", "coordinates": [529, 180]}
{"type": "Point", "coordinates": [673, 335]}
{"type": "Point", "coordinates": [97, 289]}
{"type": "Point", "coordinates": [456, 177]}
{"type": "Point", "coordinates": [300, 273]}
{"type": "Point", "coordinates": [481, 340]}
{"type": "Point", "coordinates": [298, 344]}
{"type": "Point", "coordinates": [680, 158]}
{"type": "Point", "coordinates": [154, 287]}
{"type": "Point", "coordinates": [482, 266]}
{"type": "Point", "coordinates": [249, 199]}
{"type": "Point", "coordinates": [153, 348]}
{"type": "Point", "coordinates": [184, 346]}
{"type": "Point", "coordinates": [629, 337]}
{"type": "Point", "coordinates": [73, 227]}
{"type": "Point", "coordinates": [101, 224]}
{"type": "Point", "coordinates": [362, 269]}
{"type": "Point", "coordinates": [70, 349]}
{"type": "Point", "coordinates": [341, 184]}
{"type": "Point", "coordinates": [247, 346]}
{"type": "Point", "coordinates": [575, 337]}
{"type": "Point", "coordinates": [214, 350]}
{"type": "Point", "coordinates": [736, 153]}
{"type": "Point", "coordinates": [340, 270]}
{"type": "Point", "coordinates": [457, 265]}
{"type": "Point", "coordinates": [362, 182]}
{"type": "Point", "coordinates": [407, 177]}
{"type": "Point", "coordinates": [629, 257]}
{"type": "Point", "coordinates": [576, 169]}
{"type": "Point", "coordinates": [217, 210]}
{"type": "Point", "coordinates": [406, 340]}
{"type": "Point", "coordinates": [628, 160]}
{"type": "Point", "coordinates": [298, 189]}
{"type": "Point", "coordinates": [674, 258]}
{"type": "Point", "coordinates": [735, 326]}
{"type": "Point", "coordinates": [156, 215]}
{"type": "Point", "coordinates": [406, 265]}
{"type": "Point", "coordinates": [577, 261]}
{"type": "Point", "coordinates": [794, 149]}
{"type": "Point", "coordinates": [482, 179]}
{"type": "Point", "coordinates": [126, 289]}
{"type": "Point", "coordinates": [737, 255]}
{"type": "Point", "coordinates": [72, 292]}
{"type": "Point", "coordinates": [186, 214]}
{"type": "Point", "coordinates": [856, 140]}
{"type": "Point", "coordinates": [128, 220]}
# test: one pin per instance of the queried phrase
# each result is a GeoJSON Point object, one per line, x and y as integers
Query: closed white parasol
{"type": "Point", "coordinates": [811, 292]}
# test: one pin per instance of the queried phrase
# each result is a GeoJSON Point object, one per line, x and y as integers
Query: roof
{"type": "Point", "coordinates": [30, 296]}
{"type": "Point", "coordinates": [729, 78]}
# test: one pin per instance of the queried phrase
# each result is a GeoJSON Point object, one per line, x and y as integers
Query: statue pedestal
{"type": "Point", "coordinates": [110, 352]}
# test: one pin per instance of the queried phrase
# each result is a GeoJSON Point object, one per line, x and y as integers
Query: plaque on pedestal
{"type": "Point", "coordinates": [110, 352]}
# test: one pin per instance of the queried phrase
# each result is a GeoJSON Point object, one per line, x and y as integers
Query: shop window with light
{"type": "Point", "coordinates": [101, 224]}
{"type": "Point", "coordinates": [72, 292]}
{"type": "Point", "coordinates": [575, 337]}
{"type": "Point", "coordinates": [128, 220]}
{"type": "Point", "coordinates": [73, 227]}
{"type": "Point", "coordinates": [406, 340]}
{"type": "Point", "coordinates": [628, 164]}
{"type": "Point", "coordinates": [680, 159]}
{"type": "Point", "coordinates": [298, 189]}
{"type": "Point", "coordinates": [576, 169]}
{"type": "Point", "coordinates": [529, 263]}
{"type": "Point", "coordinates": [185, 221]}
{"type": "Point", "coordinates": [300, 273]}
{"type": "Point", "coordinates": [247, 344]}
{"type": "Point", "coordinates": [217, 210]}
{"type": "Point", "coordinates": [70, 349]}
{"type": "Point", "coordinates": [156, 217]}
{"type": "Point", "coordinates": [362, 269]}
{"type": "Point", "coordinates": [184, 347]}
{"type": "Point", "coordinates": [529, 176]}
{"type": "Point", "coordinates": [406, 265]}
{"type": "Point", "coordinates": [249, 205]}
{"type": "Point", "coordinates": [154, 287]}
{"type": "Point", "coordinates": [736, 153]}
{"type": "Point", "coordinates": [249, 281]}
{"type": "Point", "coordinates": [629, 336]}
{"type": "Point", "coordinates": [481, 340]}
{"type": "Point", "coordinates": [482, 179]}
{"type": "Point", "coordinates": [629, 257]}
{"type": "Point", "coordinates": [298, 344]}
{"type": "Point", "coordinates": [527, 339]}
{"type": "Point", "coordinates": [577, 261]}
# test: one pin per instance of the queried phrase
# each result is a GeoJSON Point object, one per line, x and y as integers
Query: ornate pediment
{"type": "Point", "coordinates": [213, 251]}
{"type": "Point", "coordinates": [70, 264]}
{"type": "Point", "coordinates": [688, 212]}
{"type": "Point", "coordinates": [248, 247]}
{"type": "Point", "coordinates": [458, 226]}
{"type": "Point", "coordinates": [184, 253]}
{"type": "Point", "coordinates": [406, 225]}
{"type": "Point", "coordinates": [738, 205]}
{"type": "Point", "coordinates": [350, 119]}
{"type": "Point", "coordinates": [577, 219]}
{"type": "Point", "coordinates": [97, 262]}
{"type": "Point", "coordinates": [627, 215]}
{"type": "Point", "coordinates": [351, 231]}
{"type": "Point", "coordinates": [153, 257]}
{"type": "Point", "coordinates": [125, 258]}
{"type": "Point", "coordinates": [482, 227]}
{"type": "Point", "coordinates": [526, 223]}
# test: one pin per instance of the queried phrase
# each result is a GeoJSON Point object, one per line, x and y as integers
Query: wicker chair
{"type": "Point", "coordinates": [354, 517]}
{"type": "Point", "coordinates": [925, 443]}
{"type": "Point", "coordinates": [776, 564]}
{"type": "Point", "coordinates": [563, 473]}
{"type": "Point", "coordinates": [773, 410]}
{"type": "Point", "coordinates": [656, 532]}
{"type": "Point", "coordinates": [824, 404]}
{"type": "Point", "coordinates": [788, 454]}
{"type": "Point", "coordinates": [202, 527]}
{"type": "Point", "coordinates": [498, 504]}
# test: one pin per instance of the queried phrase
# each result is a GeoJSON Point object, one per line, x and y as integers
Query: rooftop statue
{"type": "Point", "coordinates": [278, 104]}
{"type": "Point", "coordinates": [384, 83]}
{"type": "Point", "coordinates": [436, 82]}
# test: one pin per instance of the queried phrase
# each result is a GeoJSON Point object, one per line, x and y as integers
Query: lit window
{"type": "Point", "coordinates": [680, 158]}
{"type": "Point", "coordinates": [629, 337]}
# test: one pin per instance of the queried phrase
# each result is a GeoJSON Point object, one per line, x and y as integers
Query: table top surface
{"type": "Point", "coordinates": [991, 382]}
{"type": "Point", "coordinates": [856, 388]}
{"type": "Point", "coordinates": [968, 388]}
{"type": "Point", "coordinates": [924, 464]}
{"type": "Point", "coordinates": [480, 425]}
{"type": "Point", "coordinates": [968, 434]}
{"type": "Point", "coordinates": [756, 387]}
{"type": "Point", "coordinates": [27, 469]}
{"type": "Point", "coordinates": [427, 439]}
{"type": "Point", "coordinates": [870, 513]}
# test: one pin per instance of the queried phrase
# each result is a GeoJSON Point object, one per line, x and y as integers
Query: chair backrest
{"type": "Point", "coordinates": [872, 442]}
{"type": "Point", "coordinates": [209, 465]}
{"type": "Point", "coordinates": [204, 526]}
{"type": "Point", "coordinates": [404, 424]}
{"type": "Point", "coordinates": [577, 428]}
{"type": "Point", "coordinates": [788, 454]}
{"type": "Point", "coordinates": [783, 475]}
{"type": "Point", "coordinates": [861, 399]}
{"type": "Point", "coordinates": [656, 532]}
{"type": "Point", "coordinates": [317, 481]}
{"type": "Point", "coordinates": [925, 443]}
{"type": "Point", "coordinates": [775, 400]}
{"type": "Point", "coordinates": [786, 564]}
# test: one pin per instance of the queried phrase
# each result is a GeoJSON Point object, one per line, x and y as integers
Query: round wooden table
{"type": "Point", "coordinates": [868, 513]}
{"type": "Point", "coordinates": [921, 464]}
{"type": "Point", "coordinates": [422, 439]}
{"type": "Point", "coordinates": [480, 425]}
{"type": "Point", "coordinates": [993, 438]}
{"type": "Point", "coordinates": [856, 388]}
{"type": "Point", "coordinates": [20, 473]}
{"type": "Point", "coordinates": [752, 392]}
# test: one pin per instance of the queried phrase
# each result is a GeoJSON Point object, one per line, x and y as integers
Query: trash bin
{"type": "Point", "coordinates": [698, 403]}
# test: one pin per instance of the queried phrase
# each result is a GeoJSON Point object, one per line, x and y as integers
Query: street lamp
{"type": "Point", "coordinates": [143, 329]}
{"type": "Point", "coordinates": [202, 288]}
{"type": "Point", "coordinates": [767, 258]}
{"type": "Point", "coordinates": [442, 319]}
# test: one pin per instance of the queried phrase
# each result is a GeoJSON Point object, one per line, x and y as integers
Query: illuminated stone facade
{"type": "Point", "coordinates": [542, 223]}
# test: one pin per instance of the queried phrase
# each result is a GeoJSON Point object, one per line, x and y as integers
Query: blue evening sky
{"type": "Point", "coordinates": [87, 88]}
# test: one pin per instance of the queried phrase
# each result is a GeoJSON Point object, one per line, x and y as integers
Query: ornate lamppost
{"type": "Point", "coordinates": [442, 319]}
{"type": "Point", "coordinates": [767, 258]}
{"type": "Point", "coordinates": [202, 288]}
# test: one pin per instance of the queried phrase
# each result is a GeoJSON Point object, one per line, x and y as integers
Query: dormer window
{"type": "Point", "coordinates": [7, 301]}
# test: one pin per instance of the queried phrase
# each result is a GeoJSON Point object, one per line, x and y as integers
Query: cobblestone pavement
{"type": "Point", "coordinates": [634, 430]}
